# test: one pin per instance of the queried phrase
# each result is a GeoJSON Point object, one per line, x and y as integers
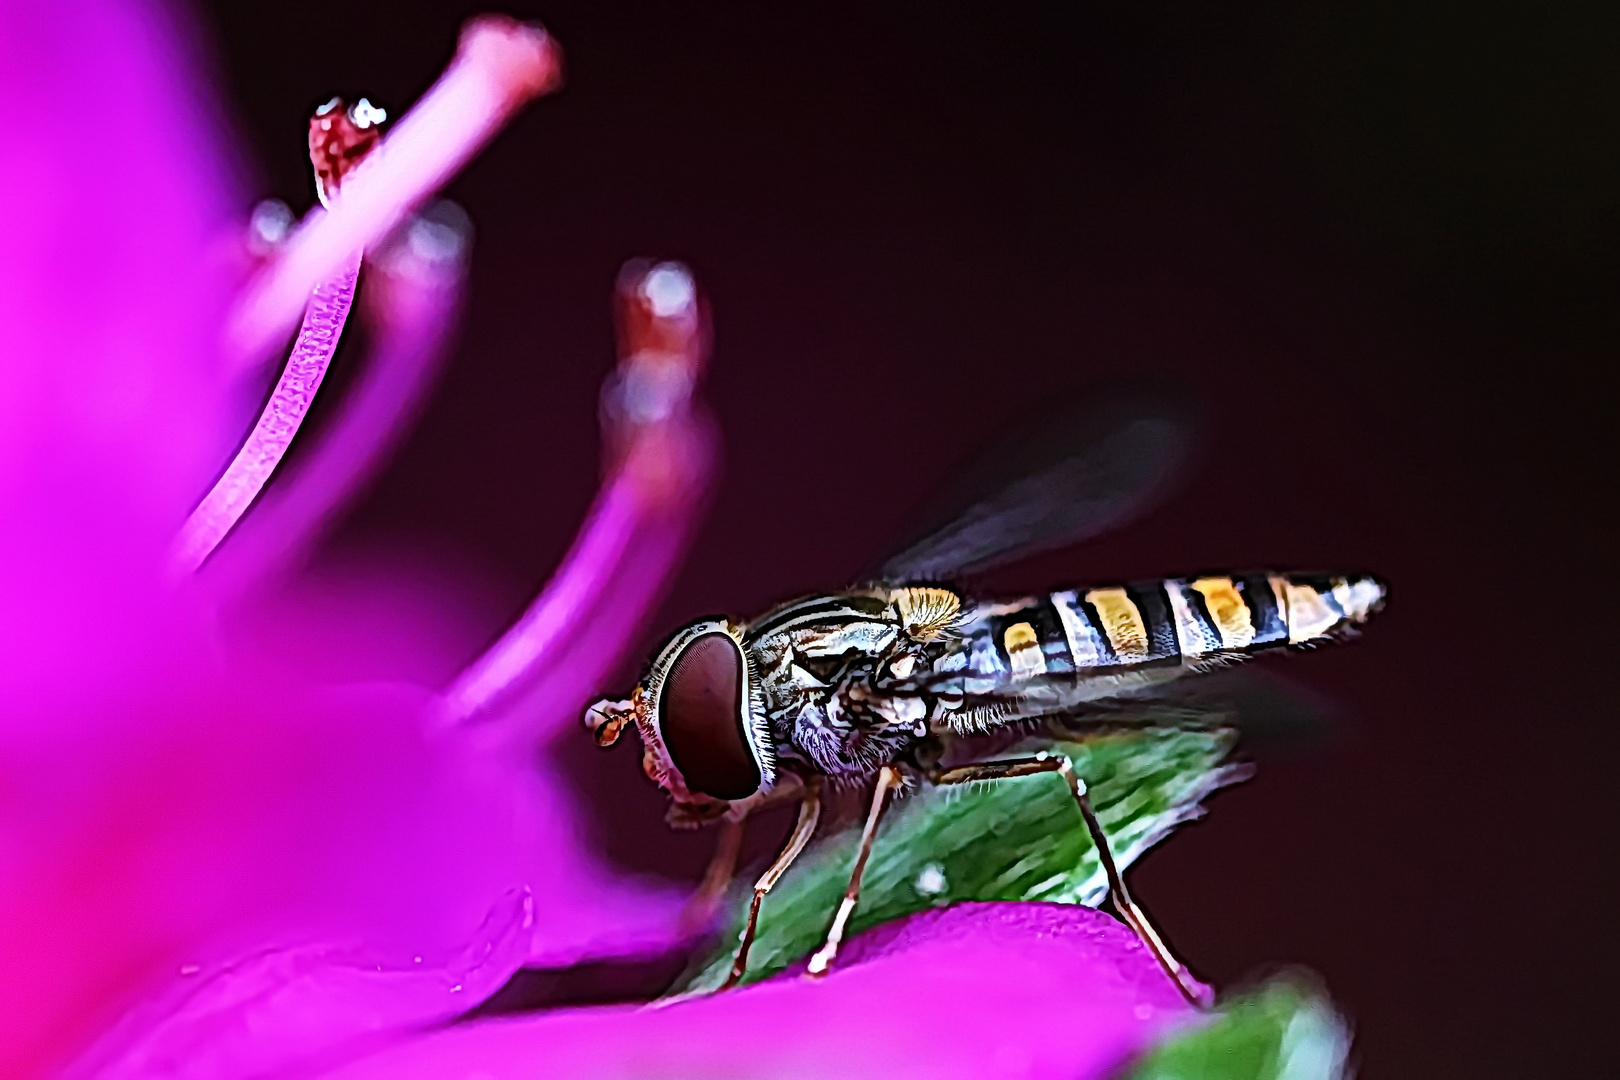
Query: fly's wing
{"type": "Point", "coordinates": [1266, 710]}
{"type": "Point", "coordinates": [1062, 478]}
{"type": "Point", "coordinates": [1072, 474]}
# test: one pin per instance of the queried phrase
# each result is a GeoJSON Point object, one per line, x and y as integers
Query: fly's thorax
{"type": "Point", "coordinates": [700, 712]}
{"type": "Point", "coordinates": [803, 649]}
{"type": "Point", "coordinates": [824, 659]}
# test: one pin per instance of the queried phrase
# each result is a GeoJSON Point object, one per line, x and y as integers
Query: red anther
{"type": "Point", "coordinates": [337, 143]}
{"type": "Point", "coordinates": [660, 315]}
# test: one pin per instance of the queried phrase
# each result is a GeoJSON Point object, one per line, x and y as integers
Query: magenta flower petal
{"type": "Point", "coordinates": [977, 991]}
{"type": "Point", "coordinates": [182, 790]}
{"type": "Point", "coordinates": [233, 816]}
{"type": "Point", "coordinates": [281, 1008]}
{"type": "Point", "coordinates": [113, 415]}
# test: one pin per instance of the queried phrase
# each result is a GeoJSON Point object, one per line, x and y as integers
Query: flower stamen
{"type": "Point", "coordinates": [500, 65]}
{"type": "Point", "coordinates": [659, 459]}
{"type": "Point", "coordinates": [338, 143]}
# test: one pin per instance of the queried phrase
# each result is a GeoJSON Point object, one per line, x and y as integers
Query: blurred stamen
{"type": "Point", "coordinates": [500, 65]}
{"type": "Point", "coordinates": [270, 224]}
{"type": "Point", "coordinates": [657, 471]}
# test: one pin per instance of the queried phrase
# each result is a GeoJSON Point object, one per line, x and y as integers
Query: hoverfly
{"type": "Point", "coordinates": [882, 679]}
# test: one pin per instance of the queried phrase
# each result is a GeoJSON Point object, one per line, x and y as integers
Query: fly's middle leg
{"type": "Point", "coordinates": [809, 813]}
{"type": "Point", "coordinates": [1133, 916]}
{"type": "Point", "coordinates": [888, 780]}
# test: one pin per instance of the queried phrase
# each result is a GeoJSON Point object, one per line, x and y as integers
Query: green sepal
{"type": "Point", "coordinates": [1286, 1030]}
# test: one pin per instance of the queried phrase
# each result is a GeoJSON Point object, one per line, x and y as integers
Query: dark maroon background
{"type": "Point", "coordinates": [1378, 240]}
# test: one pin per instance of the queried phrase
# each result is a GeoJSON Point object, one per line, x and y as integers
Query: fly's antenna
{"type": "Point", "coordinates": [607, 719]}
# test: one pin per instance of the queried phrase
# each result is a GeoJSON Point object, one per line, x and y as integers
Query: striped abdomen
{"type": "Point", "coordinates": [1174, 623]}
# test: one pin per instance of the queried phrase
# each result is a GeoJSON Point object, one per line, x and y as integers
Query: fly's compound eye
{"type": "Point", "coordinates": [701, 716]}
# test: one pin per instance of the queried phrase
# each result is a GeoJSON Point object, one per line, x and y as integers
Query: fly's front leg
{"type": "Point", "coordinates": [809, 813]}
{"type": "Point", "coordinates": [1133, 916]}
{"type": "Point", "coordinates": [705, 901]}
{"type": "Point", "coordinates": [700, 909]}
{"type": "Point", "coordinates": [888, 779]}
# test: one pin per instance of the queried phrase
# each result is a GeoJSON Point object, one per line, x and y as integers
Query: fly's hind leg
{"type": "Point", "coordinates": [809, 812]}
{"type": "Point", "coordinates": [1133, 916]}
{"type": "Point", "coordinates": [888, 779]}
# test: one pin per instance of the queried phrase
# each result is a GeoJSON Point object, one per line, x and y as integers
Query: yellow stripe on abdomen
{"type": "Point", "coordinates": [1024, 651]}
{"type": "Point", "coordinates": [1306, 612]}
{"type": "Point", "coordinates": [1122, 622]}
{"type": "Point", "coordinates": [1228, 611]}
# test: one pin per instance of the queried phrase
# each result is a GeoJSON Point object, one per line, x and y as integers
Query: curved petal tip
{"type": "Point", "coordinates": [281, 1008]}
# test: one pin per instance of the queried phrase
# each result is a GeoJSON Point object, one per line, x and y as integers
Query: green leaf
{"type": "Point", "coordinates": [1284, 1031]}
{"type": "Point", "coordinates": [1021, 839]}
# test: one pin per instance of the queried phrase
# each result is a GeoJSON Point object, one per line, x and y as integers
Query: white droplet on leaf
{"type": "Point", "coordinates": [931, 880]}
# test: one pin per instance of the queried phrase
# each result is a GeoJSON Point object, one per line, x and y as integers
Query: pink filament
{"type": "Point", "coordinates": [500, 65]}
{"type": "Point", "coordinates": [289, 403]}
{"type": "Point", "coordinates": [630, 543]}
{"type": "Point", "coordinates": [411, 304]}
{"type": "Point", "coordinates": [636, 531]}
{"type": "Point", "coordinates": [574, 668]}
{"type": "Point", "coordinates": [532, 641]}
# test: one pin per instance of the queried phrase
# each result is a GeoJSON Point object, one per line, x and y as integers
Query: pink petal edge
{"type": "Point", "coordinates": [975, 991]}
{"type": "Point", "coordinates": [290, 1007]}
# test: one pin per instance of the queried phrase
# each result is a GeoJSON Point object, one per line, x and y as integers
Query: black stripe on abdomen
{"type": "Point", "coordinates": [1154, 606]}
{"type": "Point", "coordinates": [1270, 628]}
{"type": "Point", "coordinates": [1035, 626]}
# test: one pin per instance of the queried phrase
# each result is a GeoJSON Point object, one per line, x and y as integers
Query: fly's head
{"type": "Point", "coordinates": [701, 715]}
